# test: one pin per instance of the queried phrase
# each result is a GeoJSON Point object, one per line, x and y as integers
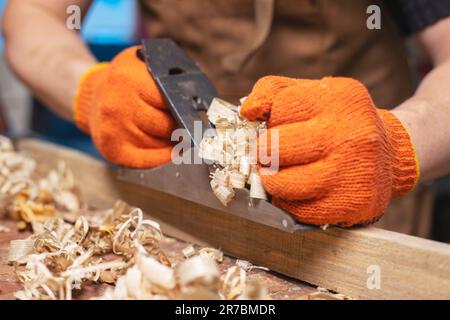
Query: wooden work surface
{"type": "Point", "coordinates": [279, 287]}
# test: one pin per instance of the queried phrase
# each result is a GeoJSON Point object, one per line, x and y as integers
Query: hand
{"type": "Point", "coordinates": [119, 104]}
{"type": "Point", "coordinates": [341, 159]}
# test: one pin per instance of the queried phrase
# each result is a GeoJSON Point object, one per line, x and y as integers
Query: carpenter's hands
{"type": "Point", "coordinates": [341, 159]}
{"type": "Point", "coordinates": [119, 104]}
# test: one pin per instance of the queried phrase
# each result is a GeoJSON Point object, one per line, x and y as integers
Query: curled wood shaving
{"type": "Point", "coordinates": [248, 266]}
{"type": "Point", "coordinates": [199, 278]}
{"type": "Point", "coordinates": [189, 251]}
{"type": "Point", "coordinates": [233, 283]}
{"type": "Point", "coordinates": [155, 272]}
{"type": "Point", "coordinates": [200, 270]}
{"type": "Point", "coordinates": [215, 254]}
{"type": "Point", "coordinates": [232, 150]}
{"type": "Point", "coordinates": [222, 111]}
{"type": "Point", "coordinates": [254, 291]}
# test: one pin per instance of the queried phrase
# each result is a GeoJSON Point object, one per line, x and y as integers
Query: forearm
{"type": "Point", "coordinates": [426, 116]}
{"type": "Point", "coordinates": [44, 53]}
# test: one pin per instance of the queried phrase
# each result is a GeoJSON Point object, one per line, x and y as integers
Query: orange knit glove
{"type": "Point", "coordinates": [341, 159]}
{"type": "Point", "coordinates": [119, 104]}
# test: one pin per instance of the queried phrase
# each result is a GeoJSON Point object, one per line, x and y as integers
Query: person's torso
{"type": "Point", "coordinates": [238, 41]}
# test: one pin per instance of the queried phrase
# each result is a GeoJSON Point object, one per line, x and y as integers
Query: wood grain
{"type": "Point", "coordinates": [337, 259]}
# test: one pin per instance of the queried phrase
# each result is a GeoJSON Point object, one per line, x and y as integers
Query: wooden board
{"type": "Point", "coordinates": [337, 259]}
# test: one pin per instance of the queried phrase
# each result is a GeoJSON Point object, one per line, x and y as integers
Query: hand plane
{"type": "Point", "coordinates": [187, 92]}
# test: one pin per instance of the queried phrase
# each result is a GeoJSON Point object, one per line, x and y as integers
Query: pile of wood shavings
{"type": "Point", "coordinates": [121, 248]}
{"type": "Point", "coordinates": [69, 251]}
{"type": "Point", "coordinates": [197, 277]}
{"type": "Point", "coordinates": [29, 200]}
{"type": "Point", "coordinates": [61, 257]}
{"type": "Point", "coordinates": [233, 151]}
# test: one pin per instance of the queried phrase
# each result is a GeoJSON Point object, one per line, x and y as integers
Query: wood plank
{"type": "Point", "coordinates": [337, 259]}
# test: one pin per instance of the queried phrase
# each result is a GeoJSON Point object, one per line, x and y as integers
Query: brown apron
{"type": "Point", "coordinates": [238, 41]}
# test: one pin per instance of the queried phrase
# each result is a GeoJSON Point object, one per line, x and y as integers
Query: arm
{"type": "Point", "coordinates": [117, 103]}
{"type": "Point", "coordinates": [44, 53]}
{"type": "Point", "coordinates": [426, 115]}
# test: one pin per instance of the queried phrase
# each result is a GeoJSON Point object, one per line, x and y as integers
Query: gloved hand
{"type": "Point", "coordinates": [341, 159]}
{"type": "Point", "coordinates": [119, 104]}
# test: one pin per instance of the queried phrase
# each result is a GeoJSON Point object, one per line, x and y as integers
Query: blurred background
{"type": "Point", "coordinates": [109, 27]}
{"type": "Point", "coordinates": [112, 25]}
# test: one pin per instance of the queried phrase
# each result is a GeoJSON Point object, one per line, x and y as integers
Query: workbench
{"type": "Point", "coordinates": [340, 260]}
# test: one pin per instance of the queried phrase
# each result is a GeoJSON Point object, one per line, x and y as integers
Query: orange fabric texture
{"type": "Point", "coordinates": [120, 105]}
{"type": "Point", "coordinates": [341, 159]}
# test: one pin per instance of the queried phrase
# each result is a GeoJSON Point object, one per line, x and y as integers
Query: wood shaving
{"type": "Point", "coordinates": [200, 270]}
{"type": "Point", "coordinates": [254, 291]}
{"type": "Point", "coordinates": [256, 188]}
{"type": "Point", "coordinates": [189, 251]}
{"type": "Point", "coordinates": [20, 249]}
{"type": "Point", "coordinates": [232, 151]}
{"type": "Point", "coordinates": [248, 266]}
{"type": "Point", "coordinates": [215, 254]}
{"type": "Point", "coordinates": [233, 283]}
{"type": "Point", "coordinates": [4, 229]}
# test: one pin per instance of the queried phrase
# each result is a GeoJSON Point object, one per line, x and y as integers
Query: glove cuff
{"type": "Point", "coordinates": [85, 94]}
{"type": "Point", "coordinates": [405, 166]}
